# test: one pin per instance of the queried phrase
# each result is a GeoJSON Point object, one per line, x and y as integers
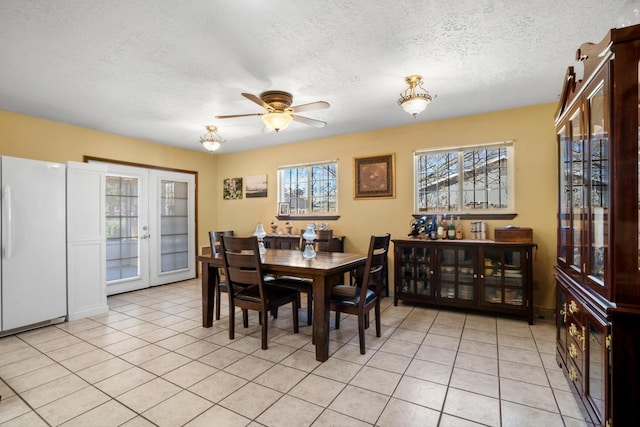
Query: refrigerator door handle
{"type": "Point", "coordinates": [7, 226]}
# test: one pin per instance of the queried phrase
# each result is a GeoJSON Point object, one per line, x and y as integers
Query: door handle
{"type": "Point", "coordinates": [146, 236]}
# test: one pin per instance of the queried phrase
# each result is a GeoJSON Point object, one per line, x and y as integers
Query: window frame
{"type": "Point", "coordinates": [328, 215]}
{"type": "Point", "coordinates": [508, 212]}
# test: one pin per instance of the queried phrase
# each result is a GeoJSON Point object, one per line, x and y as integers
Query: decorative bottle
{"type": "Point", "coordinates": [441, 232]}
{"type": "Point", "coordinates": [451, 231]}
{"type": "Point", "coordinates": [433, 232]}
{"type": "Point", "coordinates": [458, 229]}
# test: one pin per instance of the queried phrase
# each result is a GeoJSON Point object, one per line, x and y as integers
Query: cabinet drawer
{"type": "Point", "coordinates": [575, 375]}
{"type": "Point", "coordinates": [575, 353]}
{"type": "Point", "coordinates": [574, 311]}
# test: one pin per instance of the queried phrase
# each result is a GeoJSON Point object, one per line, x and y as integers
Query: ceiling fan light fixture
{"type": "Point", "coordinates": [412, 101]}
{"type": "Point", "coordinates": [277, 120]}
{"type": "Point", "coordinates": [211, 141]}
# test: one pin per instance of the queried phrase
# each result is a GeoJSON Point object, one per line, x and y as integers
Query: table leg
{"type": "Point", "coordinates": [321, 293]}
{"type": "Point", "coordinates": [209, 278]}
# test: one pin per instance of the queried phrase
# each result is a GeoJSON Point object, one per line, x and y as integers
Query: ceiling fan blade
{"type": "Point", "coordinates": [231, 116]}
{"type": "Point", "coordinates": [260, 102]}
{"type": "Point", "coordinates": [308, 121]}
{"type": "Point", "coordinates": [318, 105]}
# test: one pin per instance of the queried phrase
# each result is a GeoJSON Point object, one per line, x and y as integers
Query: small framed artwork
{"type": "Point", "coordinates": [232, 189]}
{"type": "Point", "coordinates": [255, 186]}
{"type": "Point", "coordinates": [374, 177]}
{"type": "Point", "coordinates": [283, 209]}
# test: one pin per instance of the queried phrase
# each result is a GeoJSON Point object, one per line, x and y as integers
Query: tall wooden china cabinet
{"type": "Point", "coordinates": [597, 275]}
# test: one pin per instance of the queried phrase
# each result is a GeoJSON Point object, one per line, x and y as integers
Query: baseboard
{"type": "Point", "coordinates": [88, 312]}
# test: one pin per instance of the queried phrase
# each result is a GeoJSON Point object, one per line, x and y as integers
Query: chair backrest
{"type": "Point", "coordinates": [322, 243]}
{"type": "Point", "coordinates": [214, 240]}
{"type": "Point", "coordinates": [375, 266]}
{"type": "Point", "coordinates": [242, 263]}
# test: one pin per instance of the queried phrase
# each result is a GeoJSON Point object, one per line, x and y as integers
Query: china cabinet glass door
{"type": "Point", "coordinates": [599, 176]}
{"type": "Point", "coordinates": [597, 369]}
{"type": "Point", "coordinates": [416, 269]}
{"type": "Point", "coordinates": [504, 276]}
{"type": "Point", "coordinates": [578, 187]}
{"type": "Point", "coordinates": [564, 213]}
{"type": "Point", "coordinates": [457, 273]}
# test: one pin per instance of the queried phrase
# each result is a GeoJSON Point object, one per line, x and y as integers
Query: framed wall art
{"type": "Point", "coordinates": [283, 209]}
{"type": "Point", "coordinates": [232, 189]}
{"type": "Point", "coordinates": [374, 177]}
{"type": "Point", "coordinates": [255, 186]}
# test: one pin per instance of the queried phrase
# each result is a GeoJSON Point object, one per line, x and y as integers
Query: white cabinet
{"type": "Point", "coordinates": [86, 242]}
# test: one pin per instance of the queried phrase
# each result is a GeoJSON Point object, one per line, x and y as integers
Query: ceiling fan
{"type": "Point", "coordinates": [280, 113]}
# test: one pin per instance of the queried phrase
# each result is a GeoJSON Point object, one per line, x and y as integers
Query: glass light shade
{"type": "Point", "coordinates": [277, 121]}
{"type": "Point", "coordinates": [415, 105]}
{"type": "Point", "coordinates": [211, 145]}
{"type": "Point", "coordinates": [629, 14]}
{"type": "Point", "coordinates": [415, 98]}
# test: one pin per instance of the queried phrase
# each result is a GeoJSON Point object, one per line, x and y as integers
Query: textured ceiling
{"type": "Point", "coordinates": [160, 70]}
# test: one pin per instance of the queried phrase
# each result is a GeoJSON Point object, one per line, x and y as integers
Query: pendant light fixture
{"type": "Point", "coordinates": [414, 101]}
{"type": "Point", "coordinates": [211, 141]}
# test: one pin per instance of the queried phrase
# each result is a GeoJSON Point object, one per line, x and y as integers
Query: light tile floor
{"type": "Point", "coordinates": [149, 362]}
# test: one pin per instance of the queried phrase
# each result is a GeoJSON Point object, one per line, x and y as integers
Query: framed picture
{"type": "Point", "coordinates": [283, 209]}
{"type": "Point", "coordinates": [374, 177]}
{"type": "Point", "coordinates": [255, 186]}
{"type": "Point", "coordinates": [232, 189]}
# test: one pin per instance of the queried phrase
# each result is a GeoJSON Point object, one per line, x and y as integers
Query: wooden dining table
{"type": "Point", "coordinates": [326, 270]}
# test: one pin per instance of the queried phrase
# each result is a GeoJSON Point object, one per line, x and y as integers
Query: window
{"type": "Point", "coordinates": [486, 185]}
{"type": "Point", "coordinates": [310, 189]}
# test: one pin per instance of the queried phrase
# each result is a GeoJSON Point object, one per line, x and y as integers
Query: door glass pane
{"type": "Point", "coordinates": [565, 195]}
{"type": "Point", "coordinates": [122, 228]}
{"type": "Point", "coordinates": [597, 382]}
{"type": "Point", "coordinates": [174, 225]}
{"type": "Point", "coordinates": [503, 276]}
{"type": "Point", "coordinates": [423, 284]}
{"type": "Point", "coordinates": [599, 186]}
{"type": "Point", "coordinates": [577, 189]}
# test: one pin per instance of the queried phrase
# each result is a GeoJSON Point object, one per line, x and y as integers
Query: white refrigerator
{"type": "Point", "coordinates": [33, 270]}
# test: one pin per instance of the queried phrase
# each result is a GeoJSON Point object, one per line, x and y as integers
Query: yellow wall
{"type": "Point", "coordinates": [535, 165]}
{"type": "Point", "coordinates": [23, 136]}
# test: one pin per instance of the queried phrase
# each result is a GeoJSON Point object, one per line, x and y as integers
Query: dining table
{"type": "Point", "coordinates": [326, 269]}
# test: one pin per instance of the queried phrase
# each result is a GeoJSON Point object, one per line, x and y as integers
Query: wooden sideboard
{"type": "Point", "coordinates": [291, 241]}
{"type": "Point", "coordinates": [477, 275]}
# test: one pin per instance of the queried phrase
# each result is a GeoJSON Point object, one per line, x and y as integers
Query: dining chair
{"type": "Point", "coordinates": [304, 284]}
{"type": "Point", "coordinates": [215, 238]}
{"type": "Point", "coordinates": [359, 300]}
{"type": "Point", "coordinates": [323, 240]}
{"type": "Point", "coordinates": [356, 275]}
{"type": "Point", "coordinates": [246, 285]}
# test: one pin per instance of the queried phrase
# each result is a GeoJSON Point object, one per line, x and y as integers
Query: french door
{"type": "Point", "coordinates": [150, 227]}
